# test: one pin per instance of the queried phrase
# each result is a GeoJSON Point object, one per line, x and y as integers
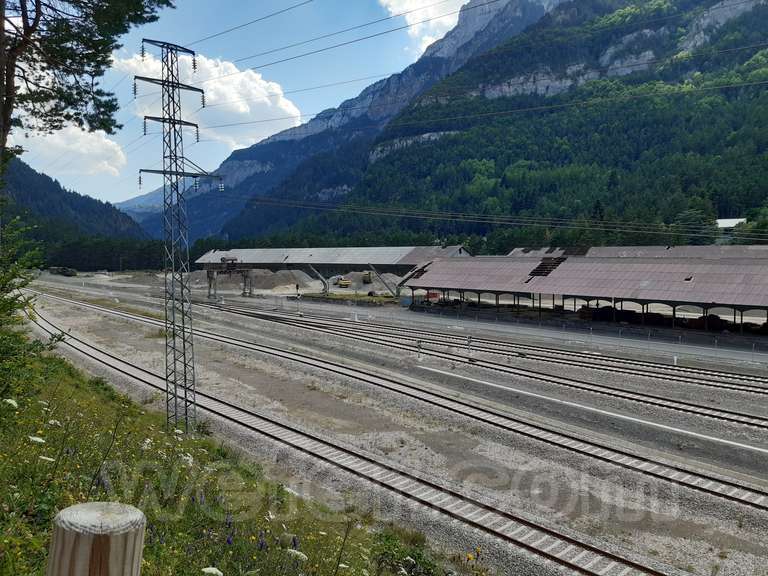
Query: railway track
{"type": "Point", "coordinates": [601, 389]}
{"type": "Point", "coordinates": [695, 376]}
{"type": "Point", "coordinates": [711, 484]}
{"type": "Point", "coordinates": [567, 551]}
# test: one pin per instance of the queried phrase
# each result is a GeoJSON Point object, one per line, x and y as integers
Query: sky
{"type": "Point", "coordinates": [240, 84]}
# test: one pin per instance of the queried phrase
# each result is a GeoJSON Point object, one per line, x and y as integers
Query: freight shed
{"type": "Point", "coordinates": [701, 278]}
{"type": "Point", "coordinates": [322, 262]}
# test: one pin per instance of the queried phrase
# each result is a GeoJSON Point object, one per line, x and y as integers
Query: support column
{"type": "Point", "coordinates": [706, 319]}
{"type": "Point", "coordinates": [643, 305]}
{"type": "Point", "coordinates": [674, 315]}
{"type": "Point", "coordinates": [213, 284]}
{"type": "Point", "coordinates": [741, 327]}
{"type": "Point", "coordinates": [539, 307]}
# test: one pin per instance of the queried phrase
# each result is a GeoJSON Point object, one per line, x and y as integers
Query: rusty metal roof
{"type": "Point", "coordinates": [382, 256]}
{"type": "Point", "coordinates": [727, 281]}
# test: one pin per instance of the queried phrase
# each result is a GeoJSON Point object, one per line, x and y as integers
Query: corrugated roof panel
{"type": "Point", "coordinates": [742, 282]}
{"type": "Point", "coordinates": [394, 255]}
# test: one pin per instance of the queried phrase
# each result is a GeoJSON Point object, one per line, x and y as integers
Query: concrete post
{"type": "Point", "coordinates": [97, 539]}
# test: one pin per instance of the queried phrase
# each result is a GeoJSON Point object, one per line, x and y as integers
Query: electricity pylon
{"type": "Point", "coordinates": [179, 346]}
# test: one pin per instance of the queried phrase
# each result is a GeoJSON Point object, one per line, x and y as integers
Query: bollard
{"type": "Point", "coordinates": [97, 539]}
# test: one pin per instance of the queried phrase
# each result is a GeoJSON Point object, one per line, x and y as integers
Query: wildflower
{"type": "Point", "coordinates": [187, 458]}
{"type": "Point", "coordinates": [295, 542]}
{"type": "Point", "coordinates": [212, 570]}
{"type": "Point", "coordinates": [342, 566]}
{"type": "Point", "coordinates": [296, 554]}
{"type": "Point", "coordinates": [323, 533]}
{"type": "Point", "coordinates": [42, 402]}
{"type": "Point", "coordinates": [147, 444]}
{"type": "Point", "coordinates": [262, 545]}
{"type": "Point", "coordinates": [11, 402]}
{"type": "Point", "coordinates": [46, 459]}
{"type": "Point", "coordinates": [54, 423]}
{"type": "Point", "coordinates": [470, 557]}
{"type": "Point", "coordinates": [177, 431]}
{"type": "Point", "coordinates": [36, 439]}
{"type": "Point", "coordinates": [230, 540]}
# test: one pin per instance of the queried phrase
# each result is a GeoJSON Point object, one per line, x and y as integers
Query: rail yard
{"type": "Point", "coordinates": [554, 453]}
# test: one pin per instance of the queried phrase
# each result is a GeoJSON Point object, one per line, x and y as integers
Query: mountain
{"type": "Point", "coordinates": [601, 111]}
{"type": "Point", "coordinates": [59, 213]}
{"type": "Point", "coordinates": [267, 166]}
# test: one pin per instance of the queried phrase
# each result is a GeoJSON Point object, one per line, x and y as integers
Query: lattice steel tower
{"type": "Point", "coordinates": [179, 346]}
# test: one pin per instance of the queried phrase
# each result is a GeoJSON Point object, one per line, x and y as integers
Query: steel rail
{"type": "Point", "coordinates": [595, 361]}
{"type": "Point", "coordinates": [601, 389]}
{"type": "Point", "coordinates": [550, 544]}
{"type": "Point", "coordinates": [703, 482]}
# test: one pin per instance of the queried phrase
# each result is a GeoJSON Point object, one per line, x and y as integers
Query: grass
{"type": "Point", "coordinates": [73, 439]}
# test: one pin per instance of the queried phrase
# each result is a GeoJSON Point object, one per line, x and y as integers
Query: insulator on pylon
{"type": "Point", "coordinates": [202, 96]}
{"type": "Point", "coordinates": [145, 126]}
{"type": "Point", "coordinates": [221, 185]}
{"type": "Point", "coordinates": [194, 63]}
{"type": "Point", "coordinates": [143, 51]}
{"type": "Point", "coordinates": [135, 89]}
{"type": "Point", "coordinates": [196, 184]}
{"type": "Point", "coordinates": [197, 133]}
{"type": "Point", "coordinates": [139, 180]}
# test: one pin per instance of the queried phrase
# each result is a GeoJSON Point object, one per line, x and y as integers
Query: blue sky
{"type": "Point", "coordinates": [106, 166]}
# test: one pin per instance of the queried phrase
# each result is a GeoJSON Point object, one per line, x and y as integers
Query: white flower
{"type": "Point", "coordinates": [323, 533]}
{"type": "Point", "coordinates": [177, 431]}
{"type": "Point", "coordinates": [11, 402]}
{"type": "Point", "coordinates": [46, 459]}
{"type": "Point", "coordinates": [147, 444]}
{"type": "Point", "coordinates": [54, 423]}
{"type": "Point", "coordinates": [296, 554]}
{"type": "Point", "coordinates": [212, 570]}
{"type": "Point", "coordinates": [36, 439]}
{"type": "Point", "coordinates": [187, 458]}
{"type": "Point", "coordinates": [343, 566]}
{"type": "Point", "coordinates": [42, 402]}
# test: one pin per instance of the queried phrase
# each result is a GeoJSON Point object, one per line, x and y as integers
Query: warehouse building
{"type": "Point", "coordinates": [323, 262]}
{"type": "Point", "coordinates": [705, 278]}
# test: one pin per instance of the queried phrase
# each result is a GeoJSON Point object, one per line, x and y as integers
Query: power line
{"type": "Point", "coordinates": [353, 41]}
{"type": "Point", "coordinates": [487, 54]}
{"type": "Point", "coordinates": [581, 224]}
{"type": "Point", "coordinates": [339, 32]}
{"type": "Point", "coordinates": [529, 109]}
{"type": "Point", "coordinates": [249, 23]}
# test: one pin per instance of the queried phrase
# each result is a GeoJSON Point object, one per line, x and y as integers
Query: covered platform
{"type": "Point", "coordinates": [323, 262]}
{"type": "Point", "coordinates": [701, 278]}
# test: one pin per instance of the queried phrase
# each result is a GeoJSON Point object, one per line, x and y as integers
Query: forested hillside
{"type": "Point", "coordinates": [604, 111]}
{"type": "Point", "coordinates": [75, 230]}
{"type": "Point", "coordinates": [60, 214]}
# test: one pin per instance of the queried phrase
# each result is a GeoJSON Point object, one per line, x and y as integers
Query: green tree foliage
{"type": "Point", "coordinates": [18, 257]}
{"type": "Point", "coordinates": [53, 54]}
{"type": "Point", "coordinates": [662, 148]}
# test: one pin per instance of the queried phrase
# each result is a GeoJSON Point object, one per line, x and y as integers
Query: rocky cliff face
{"type": "Point", "coordinates": [257, 170]}
{"type": "Point", "coordinates": [632, 53]}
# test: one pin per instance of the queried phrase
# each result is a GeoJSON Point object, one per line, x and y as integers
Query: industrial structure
{"type": "Point", "coordinates": [705, 277]}
{"type": "Point", "coordinates": [179, 348]}
{"type": "Point", "coordinates": [323, 263]}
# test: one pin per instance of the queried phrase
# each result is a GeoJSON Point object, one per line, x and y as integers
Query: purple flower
{"type": "Point", "coordinates": [229, 540]}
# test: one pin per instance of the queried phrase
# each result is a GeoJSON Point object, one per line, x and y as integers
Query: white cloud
{"type": "Point", "coordinates": [231, 96]}
{"type": "Point", "coordinates": [425, 33]}
{"type": "Point", "coordinates": [89, 153]}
